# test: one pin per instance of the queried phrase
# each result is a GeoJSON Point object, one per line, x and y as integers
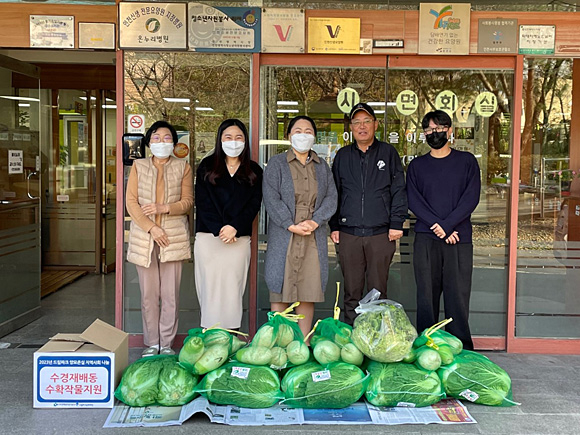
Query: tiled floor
{"type": "Point", "coordinates": [547, 386]}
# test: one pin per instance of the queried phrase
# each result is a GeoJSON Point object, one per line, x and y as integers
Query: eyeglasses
{"type": "Point", "coordinates": [357, 122]}
{"type": "Point", "coordinates": [156, 138]}
{"type": "Point", "coordinates": [438, 129]}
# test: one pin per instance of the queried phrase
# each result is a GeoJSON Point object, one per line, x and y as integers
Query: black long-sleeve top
{"type": "Point", "coordinates": [371, 190]}
{"type": "Point", "coordinates": [444, 191]}
{"type": "Point", "coordinates": [231, 201]}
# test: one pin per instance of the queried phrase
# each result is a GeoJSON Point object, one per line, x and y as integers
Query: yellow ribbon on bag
{"type": "Point", "coordinates": [432, 329]}
{"type": "Point", "coordinates": [287, 315]}
{"type": "Point", "coordinates": [231, 331]}
{"type": "Point", "coordinates": [336, 312]}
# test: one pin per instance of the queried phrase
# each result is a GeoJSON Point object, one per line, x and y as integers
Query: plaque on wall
{"type": "Point", "coordinates": [97, 36]}
{"type": "Point", "coordinates": [52, 31]}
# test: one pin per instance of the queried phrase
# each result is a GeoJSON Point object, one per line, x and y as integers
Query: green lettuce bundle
{"type": "Point", "coordinates": [402, 384]}
{"type": "Point", "coordinates": [336, 385]}
{"type": "Point", "coordinates": [205, 350]}
{"type": "Point", "coordinates": [243, 385]}
{"type": "Point", "coordinates": [279, 343]}
{"type": "Point", "coordinates": [382, 330]}
{"type": "Point", "coordinates": [156, 380]}
{"type": "Point", "coordinates": [475, 378]}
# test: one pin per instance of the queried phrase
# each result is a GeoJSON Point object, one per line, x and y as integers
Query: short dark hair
{"type": "Point", "coordinates": [298, 118]}
{"type": "Point", "coordinates": [156, 126]}
{"type": "Point", "coordinates": [439, 117]}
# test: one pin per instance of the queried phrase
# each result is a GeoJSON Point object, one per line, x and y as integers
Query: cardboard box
{"type": "Point", "coordinates": [80, 370]}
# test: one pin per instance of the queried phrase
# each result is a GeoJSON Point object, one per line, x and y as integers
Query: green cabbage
{"type": "Point", "coordinates": [475, 378]}
{"type": "Point", "coordinates": [156, 380]}
{"type": "Point", "coordinates": [326, 352]}
{"type": "Point", "coordinates": [175, 385]}
{"type": "Point", "coordinates": [298, 352]}
{"type": "Point", "coordinates": [312, 385]}
{"type": "Point", "coordinates": [191, 351]}
{"type": "Point", "coordinates": [383, 332]}
{"type": "Point", "coordinates": [401, 384]}
{"type": "Point", "coordinates": [242, 385]}
{"type": "Point", "coordinates": [427, 358]}
{"type": "Point", "coordinates": [255, 355]}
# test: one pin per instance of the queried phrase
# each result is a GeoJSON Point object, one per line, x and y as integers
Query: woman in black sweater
{"type": "Point", "coordinates": [228, 195]}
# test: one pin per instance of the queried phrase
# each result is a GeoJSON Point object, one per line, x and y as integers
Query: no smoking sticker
{"type": "Point", "coordinates": [136, 123]}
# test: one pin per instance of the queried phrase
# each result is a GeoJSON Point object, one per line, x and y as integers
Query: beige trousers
{"type": "Point", "coordinates": [159, 285]}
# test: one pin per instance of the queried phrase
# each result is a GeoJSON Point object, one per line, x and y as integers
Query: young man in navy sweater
{"type": "Point", "coordinates": [443, 190]}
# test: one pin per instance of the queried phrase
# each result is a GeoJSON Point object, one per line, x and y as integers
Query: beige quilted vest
{"type": "Point", "coordinates": [176, 227]}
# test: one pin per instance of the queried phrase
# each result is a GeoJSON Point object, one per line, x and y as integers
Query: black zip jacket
{"type": "Point", "coordinates": [371, 190]}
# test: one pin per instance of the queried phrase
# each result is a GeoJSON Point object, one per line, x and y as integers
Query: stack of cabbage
{"type": "Point", "coordinates": [279, 343]}
{"type": "Point", "coordinates": [474, 377]}
{"type": "Point", "coordinates": [402, 384]}
{"type": "Point", "coordinates": [331, 343]}
{"type": "Point", "coordinates": [382, 330]}
{"type": "Point", "coordinates": [205, 350]}
{"type": "Point", "coordinates": [432, 349]}
{"type": "Point", "coordinates": [242, 385]}
{"type": "Point", "coordinates": [156, 380]}
{"type": "Point", "coordinates": [336, 385]}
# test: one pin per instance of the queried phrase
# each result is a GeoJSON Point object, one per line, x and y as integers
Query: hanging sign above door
{"type": "Point", "coordinates": [444, 28]}
{"type": "Point", "coordinates": [224, 29]}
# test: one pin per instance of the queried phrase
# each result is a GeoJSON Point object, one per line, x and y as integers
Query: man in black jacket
{"type": "Point", "coordinates": [372, 206]}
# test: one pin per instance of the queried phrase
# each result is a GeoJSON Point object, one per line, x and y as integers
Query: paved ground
{"type": "Point", "coordinates": [548, 386]}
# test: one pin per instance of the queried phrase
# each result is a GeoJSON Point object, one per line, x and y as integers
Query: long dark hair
{"type": "Point", "coordinates": [219, 169]}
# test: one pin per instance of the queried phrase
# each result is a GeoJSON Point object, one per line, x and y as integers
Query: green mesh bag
{"type": "Point", "coordinates": [336, 385]}
{"type": "Point", "coordinates": [278, 343]}
{"type": "Point", "coordinates": [205, 350]}
{"type": "Point", "coordinates": [401, 384]}
{"type": "Point", "coordinates": [331, 340]}
{"type": "Point", "coordinates": [156, 380]}
{"type": "Point", "coordinates": [242, 385]}
{"type": "Point", "coordinates": [475, 378]}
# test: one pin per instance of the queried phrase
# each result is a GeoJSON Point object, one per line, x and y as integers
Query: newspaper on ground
{"type": "Point", "coordinates": [449, 411]}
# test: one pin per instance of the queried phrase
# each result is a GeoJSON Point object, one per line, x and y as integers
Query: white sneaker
{"type": "Point", "coordinates": [166, 351]}
{"type": "Point", "coordinates": [150, 351]}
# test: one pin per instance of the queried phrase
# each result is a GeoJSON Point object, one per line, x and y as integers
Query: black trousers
{"type": "Point", "coordinates": [443, 268]}
{"type": "Point", "coordinates": [364, 258]}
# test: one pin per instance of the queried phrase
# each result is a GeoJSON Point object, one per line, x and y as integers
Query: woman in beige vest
{"type": "Point", "coordinates": [159, 197]}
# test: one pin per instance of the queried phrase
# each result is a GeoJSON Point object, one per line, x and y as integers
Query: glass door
{"type": "Point", "coordinates": [480, 103]}
{"type": "Point", "coordinates": [326, 94]}
{"type": "Point", "coordinates": [19, 194]}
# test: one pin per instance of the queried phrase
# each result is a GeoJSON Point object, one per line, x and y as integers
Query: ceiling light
{"type": "Point", "coordinates": [187, 108]}
{"type": "Point", "coordinates": [23, 105]}
{"type": "Point", "coordinates": [287, 110]}
{"type": "Point", "coordinates": [177, 100]}
{"type": "Point", "coordinates": [85, 98]}
{"type": "Point", "coordinates": [287, 103]}
{"type": "Point", "coordinates": [109, 106]}
{"type": "Point", "coordinates": [8, 97]}
{"type": "Point", "coordinates": [204, 109]}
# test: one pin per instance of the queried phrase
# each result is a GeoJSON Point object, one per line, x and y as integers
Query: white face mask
{"type": "Point", "coordinates": [161, 150]}
{"type": "Point", "coordinates": [233, 148]}
{"type": "Point", "coordinates": [302, 142]}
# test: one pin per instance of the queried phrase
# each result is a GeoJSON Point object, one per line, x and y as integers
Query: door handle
{"type": "Point", "coordinates": [28, 185]}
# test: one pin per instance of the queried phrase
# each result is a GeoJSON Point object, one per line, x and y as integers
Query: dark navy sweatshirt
{"type": "Point", "coordinates": [444, 191]}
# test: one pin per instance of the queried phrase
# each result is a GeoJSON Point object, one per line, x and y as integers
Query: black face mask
{"type": "Point", "coordinates": [437, 139]}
